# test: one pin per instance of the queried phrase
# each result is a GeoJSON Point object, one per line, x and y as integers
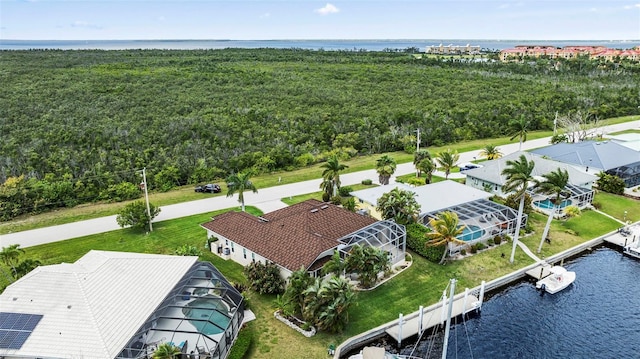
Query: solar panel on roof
{"type": "Point", "coordinates": [15, 328]}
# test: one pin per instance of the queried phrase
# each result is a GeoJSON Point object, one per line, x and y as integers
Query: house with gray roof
{"type": "Point", "coordinates": [491, 179]}
{"type": "Point", "coordinates": [303, 235]}
{"type": "Point", "coordinates": [120, 305]}
{"type": "Point", "coordinates": [611, 157]}
{"type": "Point", "coordinates": [481, 217]}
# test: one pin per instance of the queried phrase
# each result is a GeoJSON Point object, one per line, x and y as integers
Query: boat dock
{"type": "Point", "coordinates": [540, 271]}
{"type": "Point", "coordinates": [433, 316]}
{"type": "Point", "coordinates": [625, 236]}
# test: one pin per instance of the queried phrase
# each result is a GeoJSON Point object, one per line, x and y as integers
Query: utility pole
{"type": "Point", "coordinates": [146, 196]}
{"type": "Point", "coordinates": [417, 150]}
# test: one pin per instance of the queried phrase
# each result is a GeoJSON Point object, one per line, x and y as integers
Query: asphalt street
{"type": "Point", "coordinates": [267, 199]}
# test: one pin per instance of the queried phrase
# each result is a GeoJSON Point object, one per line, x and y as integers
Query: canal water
{"type": "Point", "coordinates": [596, 317]}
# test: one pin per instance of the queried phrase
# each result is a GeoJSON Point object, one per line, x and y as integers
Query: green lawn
{"type": "Point", "coordinates": [616, 206]}
{"type": "Point", "coordinates": [421, 284]}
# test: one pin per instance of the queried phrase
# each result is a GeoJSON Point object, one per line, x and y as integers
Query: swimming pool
{"type": "Point", "coordinates": [547, 204]}
{"type": "Point", "coordinates": [470, 233]}
{"type": "Point", "coordinates": [207, 315]}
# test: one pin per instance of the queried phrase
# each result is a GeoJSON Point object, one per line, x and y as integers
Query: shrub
{"type": "Point", "coordinates": [416, 241]}
{"type": "Point", "coordinates": [610, 183]}
{"type": "Point", "coordinates": [367, 182]}
{"type": "Point", "coordinates": [463, 252]}
{"type": "Point", "coordinates": [264, 278]}
{"type": "Point", "coordinates": [474, 249]}
{"type": "Point", "coordinates": [480, 246]}
{"type": "Point", "coordinates": [242, 345]}
{"type": "Point", "coordinates": [337, 200]}
{"type": "Point", "coordinates": [415, 181]}
{"type": "Point", "coordinates": [135, 215]}
{"type": "Point", "coordinates": [345, 191]}
{"type": "Point", "coordinates": [326, 197]}
{"type": "Point", "coordinates": [490, 242]}
{"type": "Point", "coordinates": [497, 240]}
{"type": "Point", "coordinates": [597, 205]}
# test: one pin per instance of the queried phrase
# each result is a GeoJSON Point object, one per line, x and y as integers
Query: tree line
{"type": "Point", "coordinates": [77, 125]}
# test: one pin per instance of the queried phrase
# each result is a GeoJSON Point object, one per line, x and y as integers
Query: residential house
{"type": "Point", "coordinates": [120, 305]}
{"type": "Point", "coordinates": [304, 235]}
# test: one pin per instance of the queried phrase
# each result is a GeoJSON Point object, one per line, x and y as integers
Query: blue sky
{"type": "Point", "coordinates": [303, 19]}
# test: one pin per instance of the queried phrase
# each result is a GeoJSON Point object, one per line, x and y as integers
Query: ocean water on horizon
{"type": "Point", "coordinates": [329, 45]}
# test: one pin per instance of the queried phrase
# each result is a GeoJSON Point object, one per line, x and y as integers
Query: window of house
{"type": "Point", "coordinates": [253, 256]}
{"type": "Point", "coordinates": [496, 187]}
{"type": "Point", "coordinates": [244, 253]}
{"type": "Point", "coordinates": [232, 249]}
{"type": "Point", "coordinates": [475, 181]}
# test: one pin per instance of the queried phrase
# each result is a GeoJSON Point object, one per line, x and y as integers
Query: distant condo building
{"type": "Point", "coordinates": [453, 50]}
{"type": "Point", "coordinates": [570, 52]}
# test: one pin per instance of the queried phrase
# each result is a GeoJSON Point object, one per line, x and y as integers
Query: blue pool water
{"type": "Point", "coordinates": [470, 233]}
{"type": "Point", "coordinates": [595, 317]}
{"type": "Point", "coordinates": [207, 311]}
{"type": "Point", "coordinates": [547, 204]}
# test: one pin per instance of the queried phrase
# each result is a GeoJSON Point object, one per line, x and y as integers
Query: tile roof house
{"type": "Point", "coordinates": [113, 305]}
{"type": "Point", "coordinates": [303, 235]}
{"type": "Point", "coordinates": [596, 156]}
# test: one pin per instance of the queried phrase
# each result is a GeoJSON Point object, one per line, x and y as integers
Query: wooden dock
{"type": "Point", "coordinates": [539, 272]}
{"type": "Point", "coordinates": [437, 315]}
{"type": "Point", "coordinates": [626, 237]}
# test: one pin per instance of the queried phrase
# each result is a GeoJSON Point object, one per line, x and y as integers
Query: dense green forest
{"type": "Point", "coordinates": [77, 125]}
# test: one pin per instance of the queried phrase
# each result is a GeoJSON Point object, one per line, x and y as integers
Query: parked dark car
{"type": "Point", "coordinates": [209, 188]}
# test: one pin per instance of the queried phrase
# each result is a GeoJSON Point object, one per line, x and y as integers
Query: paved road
{"type": "Point", "coordinates": [267, 199]}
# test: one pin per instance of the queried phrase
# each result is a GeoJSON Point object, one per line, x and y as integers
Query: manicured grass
{"type": "Point", "coordinates": [616, 206]}
{"type": "Point", "coordinates": [318, 195]}
{"type": "Point", "coordinates": [624, 132]}
{"type": "Point", "coordinates": [421, 284]}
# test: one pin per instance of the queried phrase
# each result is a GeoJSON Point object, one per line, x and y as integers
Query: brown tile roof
{"type": "Point", "coordinates": [293, 236]}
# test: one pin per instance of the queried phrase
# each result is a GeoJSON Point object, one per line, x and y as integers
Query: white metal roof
{"type": "Point", "coordinates": [92, 307]}
{"type": "Point", "coordinates": [431, 197]}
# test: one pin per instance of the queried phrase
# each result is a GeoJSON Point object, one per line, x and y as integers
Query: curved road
{"type": "Point", "coordinates": [267, 199]}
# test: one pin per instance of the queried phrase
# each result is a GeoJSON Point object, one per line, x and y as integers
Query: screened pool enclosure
{"type": "Point", "coordinates": [201, 316]}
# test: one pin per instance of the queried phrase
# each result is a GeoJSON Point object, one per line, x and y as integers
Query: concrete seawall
{"type": "Point", "coordinates": [493, 285]}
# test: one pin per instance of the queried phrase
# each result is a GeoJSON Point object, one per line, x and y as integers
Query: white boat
{"type": "Point", "coordinates": [632, 251]}
{"type": "Point", "coordinates": [558, 280]}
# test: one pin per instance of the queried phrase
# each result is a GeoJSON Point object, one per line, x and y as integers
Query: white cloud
{"type": "Point", "coordinates": [634, 6]}
{"type": "Point", "coordinates": [160, 18]}
{"type": "Point", "coordinates": [265, 15]}
{"type": "Point", "coordinates": [327, 9]}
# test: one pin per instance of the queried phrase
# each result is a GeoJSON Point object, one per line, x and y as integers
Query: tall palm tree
{"type": "Point", "coordinates": [239, 183]}
{"type": "Point", "coordinates": [519, 174]}
{"type": "Point", "coordinates": [386, 167]}
{"type": "Point", "coordinates": [518, 129]}
{"type": "Point", "coordinates": [490, 152]}
{"type": "Point", "coordinates": [554, 183]}
{"type": "Point", "coordinates": [10, 256]}
{"type": "Point", "coordinates": [166, 351]}
{"type": "Point", "coordinates": [444, 230]}
{"type": "Point", "coordinates": [331, 173]}
{"type": "Point", "coordinates": [428, 167]}
{"type": "Point", "coordinates": [447, 160]}
{"type": "Point", "coordinates": [418, 157]}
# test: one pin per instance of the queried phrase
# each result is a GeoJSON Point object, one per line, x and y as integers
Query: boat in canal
{"type": "Point", "coordinates": [558, 279]}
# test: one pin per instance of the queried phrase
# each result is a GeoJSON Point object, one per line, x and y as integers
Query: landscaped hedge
{"type": "Point", "coordinates": [242, 345]}
{"type": "Point", "coordinates": [416, 241]}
